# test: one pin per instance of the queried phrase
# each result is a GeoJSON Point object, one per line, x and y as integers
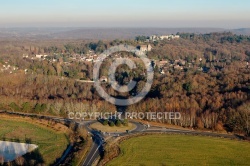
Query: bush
{"type": "Point", "coordinates": [26, 107]}
{"type": "Point", "coordinates": [111, 124]}
{"type": "Point", "coordinates": [37, 108]}
{"type": "Point", "coordinates": [105, 122]}
{"type": "Point", "coordinates": [219, 126]}
{"type": "Point", "coordinates": [199, 123]}
{"type": "Point", "coordinates": [118, 123]}
{"type": "Point", "coordinates": [43, 107]}
{"type": "Point", "coordinates": [14, 106]}
{"type": "Point", "coordinates": [125, 122]}
{"type": "Point", "coordinates": [2, 106]}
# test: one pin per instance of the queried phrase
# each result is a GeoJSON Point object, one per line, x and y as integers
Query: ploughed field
{"type": "Point", "coordinates": [182, 150]}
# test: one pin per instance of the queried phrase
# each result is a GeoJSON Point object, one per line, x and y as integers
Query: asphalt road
{"type": "Point", "coordinates": [98, 140]}
{"type": "Point", "coordinates": [96, 149]}
{"type": "Point", "coordinates": [98, 137]}
{"type": "Point", "coordinates": [140, 128]}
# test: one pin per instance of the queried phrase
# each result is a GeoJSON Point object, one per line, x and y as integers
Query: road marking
{"type": "Point", "coordinates": [89, 151]}
{"type": "Point", "coordinates": [94, 154]}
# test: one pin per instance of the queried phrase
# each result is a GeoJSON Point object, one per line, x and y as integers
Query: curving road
{"type": "Point", "coordinates": [98, 137]}
{"type": "Point", "coordinates": [96, 149]}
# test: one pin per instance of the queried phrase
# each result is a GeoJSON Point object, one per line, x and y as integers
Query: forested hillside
{"type": "Point", "coordinates": [211, 88]}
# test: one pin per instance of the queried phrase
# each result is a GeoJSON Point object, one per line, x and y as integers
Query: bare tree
{"type": "Point", "coordinates": [245, 108]}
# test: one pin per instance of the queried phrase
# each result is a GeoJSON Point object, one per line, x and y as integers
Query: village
{"type": "Point", "coordinates": [164, 66]}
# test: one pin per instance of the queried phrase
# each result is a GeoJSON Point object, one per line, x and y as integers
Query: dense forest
{"type": "Point", "coordinates": [217, 98]}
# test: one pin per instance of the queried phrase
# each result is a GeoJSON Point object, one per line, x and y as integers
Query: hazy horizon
{"type": "Point", "coordinates": [113, 27]}
{"type": "Point", "coordinates": [128, 13]}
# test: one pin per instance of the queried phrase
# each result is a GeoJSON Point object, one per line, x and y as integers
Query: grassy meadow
{"type": "Point", "coordinates": [181, 150]}
{"type": "Point", "coordinates": [51, 144]}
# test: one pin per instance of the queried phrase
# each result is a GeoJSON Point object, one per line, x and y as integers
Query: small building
{"type": "Point", "coordinates": [162, 71]}
{"type": "Point", "coordinates": [162, 63]}
{"type": "Point", "coordinates": [41, 56]}
{"type": "Point", "coordinates": [163, 37]}
{"type": "Point", "coordinates": [178, 67]}
{"type": "Point", "coordinates": [103, 79]}
{"type": "Point", "coordinates": [145, 48]}
{"type": "Point", "coordinates": [89, 60]}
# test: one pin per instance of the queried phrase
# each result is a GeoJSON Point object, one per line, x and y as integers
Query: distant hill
{"type": "Point", "coordinates": [126, 33]}
{"type": "Point", "coordinates": [103, 33]}
{"type": "Point", "coordinates": [242, 31]}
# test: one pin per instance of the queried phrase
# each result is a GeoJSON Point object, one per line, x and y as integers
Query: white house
{"type": "Point", "coordinates": [163, 37]}
{"type": "Point", "coordinates": [41, 56]}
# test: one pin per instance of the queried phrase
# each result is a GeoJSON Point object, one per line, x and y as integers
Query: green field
{"type": "Point", "coordinates": [182, 150]}
{"type": "Point", "coordinates": [51, 144]}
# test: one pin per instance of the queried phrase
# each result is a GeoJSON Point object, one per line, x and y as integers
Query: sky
{"type": "Point", "coordinates": [125, 13]}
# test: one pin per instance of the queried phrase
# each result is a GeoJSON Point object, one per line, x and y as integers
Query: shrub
{"type": "Point", "coordinates": [14, 106]}
{"type": "Point", "coordinates": [125, 122]}
{"type": "Point", "coordinates": [37, 108]}
{"type": "Point", "coordinates": [26, 107]}
{"type": "Point", "coordinates": [105, 122]}
{"type": "Point", "coordinates": [118, 123]}
{"type": "Point", "coordinates": [111, 124]}
{"type": "Point", "coordinates": [43, 107]}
